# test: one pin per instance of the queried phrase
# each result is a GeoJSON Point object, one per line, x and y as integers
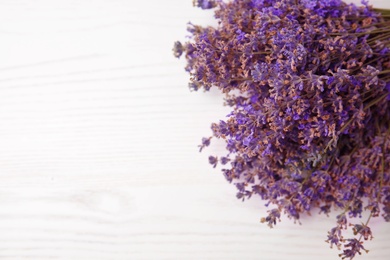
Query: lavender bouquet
{"type": "Point", "coordinates": [308, 83]}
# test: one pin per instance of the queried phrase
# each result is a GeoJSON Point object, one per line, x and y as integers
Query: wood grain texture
{"type": "Point", "coordinates": [98, 144]}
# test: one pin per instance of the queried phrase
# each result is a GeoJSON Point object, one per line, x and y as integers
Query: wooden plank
{"type": "Point", "coordinates": [98, 144]}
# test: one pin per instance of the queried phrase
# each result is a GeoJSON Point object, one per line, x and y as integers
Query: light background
{"type": "Point", "coordinates": [98, 143]}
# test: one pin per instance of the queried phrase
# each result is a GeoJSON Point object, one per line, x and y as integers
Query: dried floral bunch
{"type": "Point", "coordinates": [308, 82]}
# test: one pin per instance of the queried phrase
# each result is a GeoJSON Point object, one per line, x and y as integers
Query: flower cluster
{"type": "Point", "coordinates": [308, 82]}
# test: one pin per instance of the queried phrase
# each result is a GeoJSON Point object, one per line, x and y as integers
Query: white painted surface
{"type": "Point", "coordinates": [98, 144]}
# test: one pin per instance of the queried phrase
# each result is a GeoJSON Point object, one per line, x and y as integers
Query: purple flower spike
{"type": "Point", "coordinates": [308, 84]}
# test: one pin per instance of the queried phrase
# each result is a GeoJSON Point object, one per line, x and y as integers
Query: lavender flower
{"type": "Point", "coordinates": [308, 84]}
{"type": "Point", "coordinates": [204, 4]}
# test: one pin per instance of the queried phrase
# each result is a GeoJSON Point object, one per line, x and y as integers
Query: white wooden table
{"type": "Point", "coordinates": [98, 144]}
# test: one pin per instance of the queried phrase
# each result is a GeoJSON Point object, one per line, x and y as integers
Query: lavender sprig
{"type": "Point", "coordinates": [310, 120]}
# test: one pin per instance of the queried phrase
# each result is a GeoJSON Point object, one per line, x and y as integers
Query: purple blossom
{"type": "Point", "coordinates": [272, 218]}
{"type": "Point", "coordinates": [177, 49]}
{"type": "Point", "coordinates": [309, 95]}
{"type": "Point", "coordinates": [363, 230]}
{"type": "Point", "coordinates": [213, 161]}
{"type": "Point", "coordinates": [224, 160]}
{"type": "Point", "coordinates": [353, 247]}
{"type": "Point", "coordinates": [334, 237]}
{"type": "Point", "coordinates": [205, 143]}
{"type": "Point", "coordinates": [205, 4]}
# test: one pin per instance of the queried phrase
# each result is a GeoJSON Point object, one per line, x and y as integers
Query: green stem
{"type": "Point", "coordinates": [378, 38]}
{"type": "Point", "coordinates": [384, 72]}
{"type": "Point", "coordinates": [366, 224]}
{"type": "Point", "coordinates": [380, 10]}
{"type": "Point", "coordinates": [386, 79]}
{"type": "Point", "coordinates": [374, 102]}
{"type": "Point", "coordinates": [375, 31]}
